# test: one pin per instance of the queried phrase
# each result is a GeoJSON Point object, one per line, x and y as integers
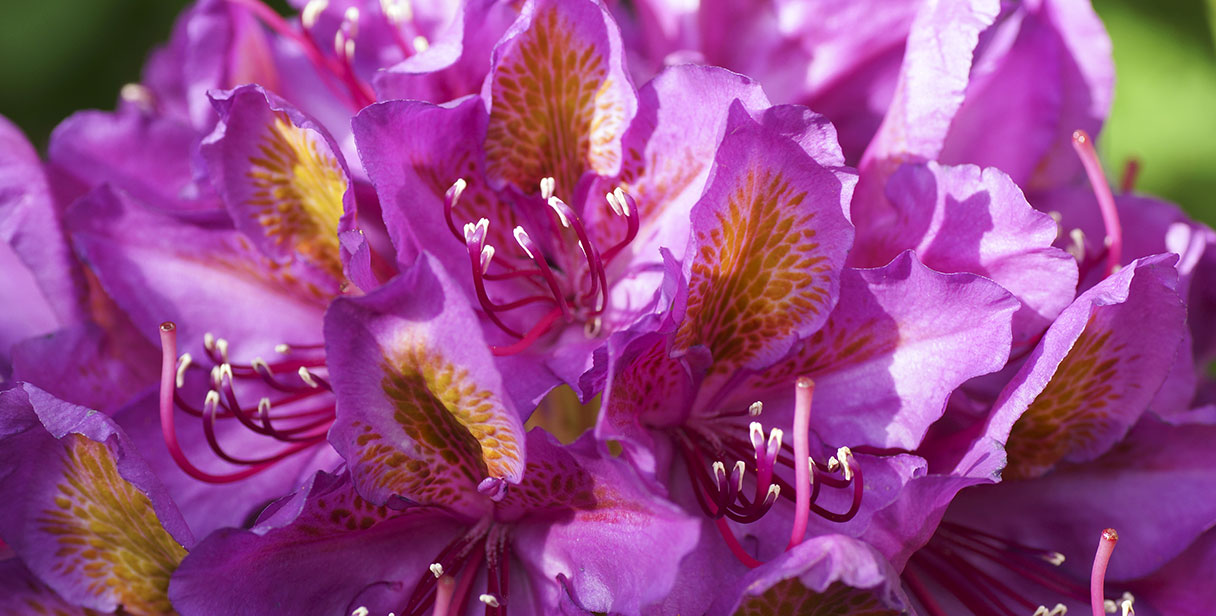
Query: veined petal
{"type": "Point", "coordinates": [1094, 372]}
{"type": "Point", "coordinates": [559, 96]}
{"type": "Point", "coordinates": [768, 243]}
{"type": "Point", "coordinates": [83, 511]}
{"type": "Point", "coordinates": [421, 408]}
{"type": "Point", "coordinates": [203, 276]}
{"type": "Point", "coordinates": [282, 177]}
{"type": "Point", "coordinates": [901, 339]}
{"type": "Point", "coordinates": [670, 146]}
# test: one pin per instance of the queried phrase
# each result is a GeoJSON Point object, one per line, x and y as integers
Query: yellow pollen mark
{"type": "Point", "coordinates": [297, 194]}
{"type": "Point", "coordinates": [758, 266]}
{"type": "Point", "coordinates": [1070, 413]}
{"type": "Point", "coordinates": [107, 530]}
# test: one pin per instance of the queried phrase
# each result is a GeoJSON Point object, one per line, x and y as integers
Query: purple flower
{"type": "Point", "coordinates": [427, 431]}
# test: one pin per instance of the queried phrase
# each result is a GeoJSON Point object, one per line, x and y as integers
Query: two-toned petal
{"type": "Point", "coordinates": [421, 409]}
{"type": "Point", "coordinates": [82, 509]}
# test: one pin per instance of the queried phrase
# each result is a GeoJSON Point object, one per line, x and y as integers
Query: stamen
{"type": "Point", "coordinates": [733, 544]}
{"type": "Point", "coordinates": [421, 44]}
{"type": "Point", "coordinates": [450, 198]}
{"type": "Point", "coordinates": [182, 366]}
{"type": "Point", "coordinates": [307, 377]}
{"type": "Point", "coordinates": [360, 611]}
{"type": "Point", "coordinates": [1083, 145]}
{"type": "Point", "coordinates": [397, 11]}
{"type": "Point", "coordinates": [437, 570]}
{"type": "Point", "coordinates": [444, 588]}
{"type": "Point", "coordinates": [282, 349]}
{"type": "Point", "coordinates": [1076, 245]}
{"type": "Point", "coordinates": [1097, 579]}
{"type": "Point", "coordinates": [138, 95]}
{"type": "Point", "coordinates": [488, 599]}
{"type": "Point", "coordinates": [755, 409]}
{"type": "Point", "coordinates": [804, 391]}
{"type": "Point", "coordinates": [1131, 171]}
{"type": "Point", "coordinates": [547, 186]}
{"type": "Point", "coordinates": [312, 10]}
{"type": "Point", "coordinates": [1059, 610]}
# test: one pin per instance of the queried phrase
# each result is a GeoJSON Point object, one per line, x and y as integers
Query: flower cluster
{"type": "Point", "coordinates": [453, 307]}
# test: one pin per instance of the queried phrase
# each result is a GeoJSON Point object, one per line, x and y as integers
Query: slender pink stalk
{"type": "Point", "coordinates": [444, 587]}
{"type": "Point", "coordinates": [804, 392]}
{"type": "Point", "coordinates": [1084, 147]}
{"type": "Point", "coordinates": [733, 543]}
{"type": "Point", "coordinates": [1097, 578]}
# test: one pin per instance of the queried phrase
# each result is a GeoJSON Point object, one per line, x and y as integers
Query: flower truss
{"type": "Point", "coordinates": [454, 307]}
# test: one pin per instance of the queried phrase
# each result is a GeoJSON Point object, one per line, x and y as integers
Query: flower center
{"type": "Point", "coordinates": [558, 277]}
{"type": "Point", "coordinates": [295, 413]}
{"type": "Point", "coordinates": [444, 589]}
{"type": "Point", "coordinates": [969, 565]}
{"type": "Point", "coordinates": [707, 446]}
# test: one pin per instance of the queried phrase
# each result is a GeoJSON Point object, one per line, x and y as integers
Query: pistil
{"type": "Point", "coordinates": [1083, 144]}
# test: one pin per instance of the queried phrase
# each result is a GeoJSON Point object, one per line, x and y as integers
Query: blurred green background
{"type": "Point", "coordinates": [57, 56]}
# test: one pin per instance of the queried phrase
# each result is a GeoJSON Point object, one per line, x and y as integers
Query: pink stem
{"type": "Point", "coordinates": [733, 544]}
{"type": "Point", "coordinates": [1082, 143]}
{"type": "Point", "coordinates": [804, 392]}
{"type": "Point", "coordinates": [1097, 579]}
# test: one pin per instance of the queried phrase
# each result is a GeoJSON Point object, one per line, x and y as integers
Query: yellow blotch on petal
{"type": "Point", "coordinates": [1070, 413]}
{"type": "Point", "coordinates": [298, 187]}
{"type": "Point", "coordinates": [108, 532]}
{"type": "Point", "coordinates": [792, 597]}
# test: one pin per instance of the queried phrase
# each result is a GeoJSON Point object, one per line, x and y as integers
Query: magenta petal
{"type": "Point", "coordinates": [1094, 372]}
{"type": "Point", "coordinates": [75, 489]}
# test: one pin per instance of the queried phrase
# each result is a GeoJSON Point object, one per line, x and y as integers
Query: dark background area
{"type": "Point", "coordinates": [57, 56]}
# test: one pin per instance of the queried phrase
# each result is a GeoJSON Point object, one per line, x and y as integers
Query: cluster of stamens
{"type": "Point", "coordinates": [444, 588]}
{"type": "Point", "coordinates": [572, 285]}
{"type": "Point", "coordinates": [295, 415]}
{"type": "Point", "coordinates": [966, 563]}
{"type": "Point", "coordinates": [723, 496]}
{"type": "Point", "coordinates": [337, 68]}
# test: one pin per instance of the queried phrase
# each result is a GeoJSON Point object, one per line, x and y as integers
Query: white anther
{"type": "Point", "coordinates": [521, 238]}
{"type": "Point", "coordinates": [282, 349]}
{"type": "Point", "coordinates": [774, 439]}
{"type": "Point", "coordinates": [846, 458]}
{"type": "Point", "coordinates": [1055, 558]}
{"type": "Point", "coordinates": [208, 341]}
{"type": "Point", "coordinates": [360, 611]}
{"type": "Point", "coordinates": [1126, 602]}
{"type": "Point", "coordinates": [593, 327]}
{"type": "Point", "coordinates": [487, 255]}
{"type": "Point", "coordinates": [351, 19]}
{"type": "Point", "coordinates": [420, 44]}
{"type": "Point", "coordinates": [1076, 247]}
{"type": "Point", "coordinates": [1056, 216]}
{"type": "Point", "coordinates": [225, 371]}
{"type": "Point", "coordinates": [308, 18]}
{"type": "Point", "coordinates": [561, 216]}
{"type": "Point", "coordinates": [395, 11]}
{"type": "Point", "coordinates": [1109, 606]}
{"type": "Point", "coordinates": [182, 364]}
{"type": "Point", "coordinates": [740, 468]}
{"type": "Point", "coordinates": [457, 189]}
{"type": "Point", "coordinates": [489, 600]}
{"type": "Point", "coordinates": [756, 432]}
{"type": "Point", "coordinates": [476, 231]}
{"type": "Point", "coordinates": [349, 50]}
{"type": "Point", "coordinates": [264, 406]}
{"type": "Point", "coordinates": [833, 464]}
{"type": "Point", "coordinates": [810, 463]}
{"type": "Point", "coordinates": [755, 409]}
{"type": "Point", "coordinates": [222, 346]}
{"type": "Point", "coordinates": [547, 186]}
{"type": "Point", "coordinates": [138, 94]}
{"type": "Point", "coordinates": [306, 376]}
{"type": "Point", "coordinates": [436, 570]}
{"type": "Point", "coordinates": [719, 471]}
{"type": "Point", "coordinates": [774, 491]}
{"type": "Point", "coordinates": [620, 197]}
{"type": "Point", "coordinates": [215, 376]}
{"type": "Point", "coordinates": [259, 362]}
{"type": "Point", "coordinates": [1059, 610]}
{"type": "Point", "coordinates": [612, 203]}
{"type": "Point", "coordinates": [212, 398]}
